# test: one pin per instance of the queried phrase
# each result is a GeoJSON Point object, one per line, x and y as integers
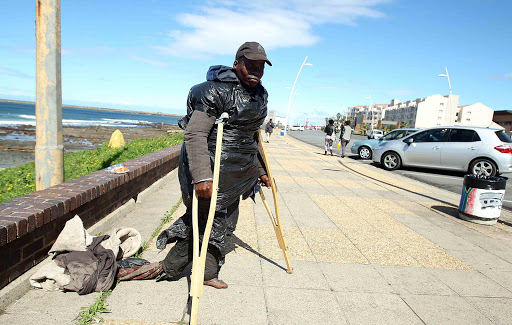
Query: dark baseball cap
{"type": "Point", "coordinates": [252, 51]}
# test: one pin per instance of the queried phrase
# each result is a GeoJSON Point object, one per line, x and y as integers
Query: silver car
{"type": "Point", "coordinates": [476, 150]}
{"type": "Point", "coordinates": [363, 148]}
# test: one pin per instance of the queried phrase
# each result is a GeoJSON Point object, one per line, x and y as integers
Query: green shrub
{"type": "Point", "coordinates": [20, 180]}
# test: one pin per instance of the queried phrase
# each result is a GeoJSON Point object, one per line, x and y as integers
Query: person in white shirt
{"type": "Point", "coordinates": [346, 133]}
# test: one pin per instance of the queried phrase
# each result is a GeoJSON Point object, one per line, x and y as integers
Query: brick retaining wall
{"type": "Point", "coordinates": [30, 224]}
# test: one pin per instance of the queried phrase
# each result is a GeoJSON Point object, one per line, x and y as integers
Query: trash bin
{"type": "Point", "coordinates": [282, 132]}
{"type": "Point", "coordinates": [481, 199]}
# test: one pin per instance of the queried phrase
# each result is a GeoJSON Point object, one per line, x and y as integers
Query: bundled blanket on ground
{"type": "Point", "coordinates": [85, 263]}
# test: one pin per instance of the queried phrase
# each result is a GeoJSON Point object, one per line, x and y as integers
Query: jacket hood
{"type": "Point", "coordinates": [221, 73]}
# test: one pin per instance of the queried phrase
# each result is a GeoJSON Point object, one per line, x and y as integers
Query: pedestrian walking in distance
{"type": "Point", "coordinates": [346, 133]}
{"type": "Point", "coordinates": [238, 91]}
{"type": "Point", "coordinates": [268, 129]}
{"type": "Point", "coordinates": [330, 135]}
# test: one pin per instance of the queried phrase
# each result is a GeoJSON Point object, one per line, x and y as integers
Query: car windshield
{"type": "Point", "coordinates": [504, 137]}
{"type": "Point", "coordinates": [393, 135]}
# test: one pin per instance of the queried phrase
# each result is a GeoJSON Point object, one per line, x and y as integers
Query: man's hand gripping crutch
{"type": "Point", "coordinates": [276, 220]}
{"type": "Point", "coordinates": [199, 260]}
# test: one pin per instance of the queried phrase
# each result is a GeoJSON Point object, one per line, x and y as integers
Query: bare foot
{"type": "Point", "coordinates": [216, 283]}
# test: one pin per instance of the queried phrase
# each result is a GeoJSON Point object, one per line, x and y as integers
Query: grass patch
{"type": "Point", "coordinates": [20, 180]}
{"type": "Point", "coordinates": [167, 218]}
{"type": "Point", "coordinates": [90, 315]}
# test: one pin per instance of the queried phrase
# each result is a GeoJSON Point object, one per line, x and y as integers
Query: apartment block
{"type": "Point", "coordinates": [359, 111]}
{"type": "Point", "coordinates": [435, 110]}
{"type": "Point", "coordinates": [426, 112]}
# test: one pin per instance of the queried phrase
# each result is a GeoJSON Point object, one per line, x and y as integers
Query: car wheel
{"type": "Point", "coordinates": [483, 167]}
{"type": "Point", "coordinates": [391, 161]}
{"type": "Point", "coordinates": [365, 153]}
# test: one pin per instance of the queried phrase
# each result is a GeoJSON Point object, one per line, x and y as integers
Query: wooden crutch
{"type": "Point", "coordinates": [199, 259]}
{"type": "Point", "coordinates": [276, 220]}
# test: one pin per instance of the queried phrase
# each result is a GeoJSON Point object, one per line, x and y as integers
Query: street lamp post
{"type": "Point", "coordinates": [292, 94]}
{"type": "Point", "coordinates": [447, 75]}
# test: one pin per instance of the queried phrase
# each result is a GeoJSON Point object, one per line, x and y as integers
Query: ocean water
{"type": "Point", "coordinates": [12, 114]}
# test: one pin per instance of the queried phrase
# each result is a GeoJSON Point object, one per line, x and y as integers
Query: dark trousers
{"type": "Point", "coordinates": [181, 254]}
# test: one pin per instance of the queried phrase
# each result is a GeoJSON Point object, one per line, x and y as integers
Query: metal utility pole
{"type": "Point", "coordinates": [49, 150]}
{"type": "Point", "coordinates": [447, 75]}
{"type": "Point", "coordinates": [292, 94]}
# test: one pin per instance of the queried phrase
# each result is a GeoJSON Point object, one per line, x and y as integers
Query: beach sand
{"type": "Point", "coordinates": [17, 143]}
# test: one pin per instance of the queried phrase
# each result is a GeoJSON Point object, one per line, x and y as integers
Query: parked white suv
{"type": "Point", "coordinates": [476, 150]}
{"type": "Point", "coordinates": [374, 134]}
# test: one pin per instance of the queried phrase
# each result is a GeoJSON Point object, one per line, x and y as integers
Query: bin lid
{"type": "Point", "coordinates": [485, 182]}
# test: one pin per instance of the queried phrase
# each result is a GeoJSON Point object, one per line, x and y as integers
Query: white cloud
{"type": "Point", "coordinates": [10, 92]}
{"type": "Point", "coordinates": [15, 73]}
{"type": "Point", "coordinates": [506, 76]}
{"type": "Point", "coordinates": [223, 25]}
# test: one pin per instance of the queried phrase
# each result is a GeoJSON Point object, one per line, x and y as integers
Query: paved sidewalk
{"type": "Point", "coordinates": [367, 247]}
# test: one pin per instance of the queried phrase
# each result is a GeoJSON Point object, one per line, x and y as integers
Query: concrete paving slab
{"type": "Point", "coordinates": [46, 308]}
{"type": "Point", "coordinates": [354, 277]}
{"type": "Point", "coordinates": [306, 275]}
{"type": "Point", "coordinates": [261, 216]}
{"type": "Point", "coordinates": [331, 245]}
{"type": "Point", "coordinates": [148, 300]}
{"type": "Point", "coordinates": [376, 308]}
{"type": "Point", "coordinates": [309, 214]}
{"type": "Point", "coordinates": [413, 280]}
{"type": "Point", "coordinates": [436, 258]}
{"type": "Point", "coordinates": [482, 260]}
{"type": "Point", "coordinates": [301, 306]}
{"type": "Point", "coordinates": [235, 305]}
{"type": "Point", "coordinates": [504, 278]}
{"type": "Point", "coordinates": [447, 240]}
{"type": "Point", "coordinates": [365, 193]}
{"type": "Point", "coordinates": [320, 190]}
{"type": "Point", "coordinates": [441, 310]}
{"type": "Point", "coordinates": [498, 310]}
{"type": "Point", "coordinates": [471, 283]}
{"type": "Point", "coordinates": [298, 249]}
{"type": "Point", "coordinates": [250, 267]}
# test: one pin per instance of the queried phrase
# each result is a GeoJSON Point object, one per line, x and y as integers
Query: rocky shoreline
{"type": "Point", "coordinates": [17, 142]}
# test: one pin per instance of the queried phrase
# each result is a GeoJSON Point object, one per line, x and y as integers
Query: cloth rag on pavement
{"type": "Point", "coordinates": [85, 263]}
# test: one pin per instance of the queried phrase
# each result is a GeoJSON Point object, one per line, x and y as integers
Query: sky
{"type": "Point", "coordinates": [145, 55]}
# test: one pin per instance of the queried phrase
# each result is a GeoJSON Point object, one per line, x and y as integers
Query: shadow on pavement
{"type": "Point", "coordinates": [454, 212]}
{"type": "Point", "coordinates": [234, 241]}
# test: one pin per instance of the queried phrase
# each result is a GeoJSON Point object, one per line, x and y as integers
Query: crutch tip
{"type": "Point", "coordinates": [290, 271]}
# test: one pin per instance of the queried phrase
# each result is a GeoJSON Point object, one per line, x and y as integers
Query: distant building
{"type": "Point", "coordinates": [438, 110]}
{"type": "Point", "coordinates": [364, 113]}
{"type": "Point", "coordinates": [278, 120]}
{"type": "Point", "coordinates": [503, 119]}
{"type": "Point", "coordinates": [426, 112]}
{"type": "Point", "coordinates": [475, 115]}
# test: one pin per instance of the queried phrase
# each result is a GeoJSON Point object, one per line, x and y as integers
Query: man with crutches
{"type": "Point", "coordinates": [238, 92]}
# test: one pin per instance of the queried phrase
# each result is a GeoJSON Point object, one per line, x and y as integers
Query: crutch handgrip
{"type": "Point", "coordinates": [223, 118]}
